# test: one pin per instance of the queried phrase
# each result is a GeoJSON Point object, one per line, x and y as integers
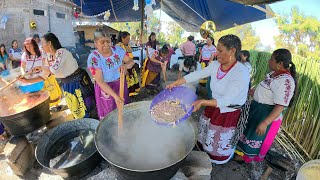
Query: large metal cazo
{"type": "Point", "coordinates": [144, 149]}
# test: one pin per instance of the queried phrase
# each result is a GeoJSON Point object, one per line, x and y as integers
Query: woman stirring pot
{"type": "Point", "coordinates": [105, 64]}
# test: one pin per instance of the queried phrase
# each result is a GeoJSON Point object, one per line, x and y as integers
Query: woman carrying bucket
{"type": "Point", "coordinates": [229, 84]}
{"type": "Point", "coordinates": [105, 64]}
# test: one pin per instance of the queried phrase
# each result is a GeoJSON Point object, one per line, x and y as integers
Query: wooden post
{"type": "Point", "coordinates": [141, 32]}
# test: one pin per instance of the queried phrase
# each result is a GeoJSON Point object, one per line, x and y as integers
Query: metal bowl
{"type": "Point", "coordinates": [142, 149]}
{"type": "Point", "coordinates": [71, 154]}
{"type": "Point", "coordinates": [29, 120]}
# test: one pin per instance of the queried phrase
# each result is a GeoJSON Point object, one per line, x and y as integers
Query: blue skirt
{"type": "Point", "coordinates": [79, 93]}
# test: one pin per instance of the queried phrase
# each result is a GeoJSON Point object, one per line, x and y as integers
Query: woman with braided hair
{"type": "Point", "coordinates": [270, 98]}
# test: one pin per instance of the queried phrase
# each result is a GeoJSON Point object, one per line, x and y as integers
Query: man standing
{"type": "Point", "coordinates": [188, 48]}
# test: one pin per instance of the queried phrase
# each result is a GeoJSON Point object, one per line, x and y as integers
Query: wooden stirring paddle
{"type": "Point", "coordinates": [121, 94]}
{"type": "Point", "coordinates": [15, 80]}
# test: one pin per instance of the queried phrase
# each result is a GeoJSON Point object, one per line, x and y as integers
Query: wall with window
{"type": "Point", "coordinates": [56, 18]}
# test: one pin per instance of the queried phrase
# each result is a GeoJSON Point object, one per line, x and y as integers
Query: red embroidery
{"type": "Point", "coordinates": [226, 72]}
{"type": "Point", "coordinates": [156, 53]}
{"type": "Point", "coordinates": [109, 63]}
{"type": "Point", "coordinates": [96, 53]}
{"type": "Point", "coordinates": [93, 71]}
{"type": "Point", "coordinates": [287, 91]}
{"type": "Point", "coordinates": [117, 58]}
{"type": "Point", "coordinates": [94, 61]}
{"type": "Point", "coordinates": [58, 60]}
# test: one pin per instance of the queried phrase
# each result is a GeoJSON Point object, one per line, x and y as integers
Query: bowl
{"type": "Point", "coordinates": [185, 95]}
{"type": "Point", "coordinates": [69, 149]}
{"type": "Point", "coordinates": [30, 88]}
{"type": "Point", "coordinates": [310, 170]}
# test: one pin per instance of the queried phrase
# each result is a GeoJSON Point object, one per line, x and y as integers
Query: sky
{"type": "Point", "coordinates": [267, 29]}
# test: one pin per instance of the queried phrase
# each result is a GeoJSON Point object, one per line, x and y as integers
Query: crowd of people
{"type": "Point", "coordinates": [230, 122]}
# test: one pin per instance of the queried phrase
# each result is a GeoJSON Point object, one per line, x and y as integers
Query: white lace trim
{"type": "Point", "coordinates": [215, 139]}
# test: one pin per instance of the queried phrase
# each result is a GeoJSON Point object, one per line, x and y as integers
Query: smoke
{"type": "Point", "coordinates": [144, 145]}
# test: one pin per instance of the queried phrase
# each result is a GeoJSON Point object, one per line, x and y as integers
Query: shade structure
{"type": "Point", "coordinates": [190, 14]}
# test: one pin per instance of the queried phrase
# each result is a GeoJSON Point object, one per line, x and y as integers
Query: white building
{"type": "Point", "coordinates": [49, 17]}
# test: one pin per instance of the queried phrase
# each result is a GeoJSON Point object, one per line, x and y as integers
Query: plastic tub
{"type": "Point", "coordinates": [30, 88]}
{"type": "Point", "coordinates": [185, 95]}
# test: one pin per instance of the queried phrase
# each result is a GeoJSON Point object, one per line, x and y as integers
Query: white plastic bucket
{"type": "Point", "coordinates": [309, 171]}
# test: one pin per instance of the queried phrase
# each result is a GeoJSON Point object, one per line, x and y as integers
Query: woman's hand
{"type": "Point", "coordinates": [123, 69]}
{"type": "Point", "coordinates": [36, 69]}
{"type": "Point", "coordinates": [172, 85]}
{"type": "Point", "coordinates": [251, 91]}
{"type": "Point", "coordinates": [261, 129]}
{"type": "Point", "coordinates": [197, 105]}
{"type": "Point", "coordinates": [119, 101]}
{"type": "Point", "coordinates": [24, 80]}
{"type": "Point", "coordinates": [176, 83]}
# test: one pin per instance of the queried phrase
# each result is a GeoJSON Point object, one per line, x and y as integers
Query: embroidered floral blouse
{"type": "Point", "coordinates": [108, 65]}
{"type": "Point", "coordinates": [207, 52]}
{"type": "Point", "coordinates": [275, 90]}
{"type": "Point", "coordinates": [31, 61]}
{"type": "Point", "coordinates": [63, 64]}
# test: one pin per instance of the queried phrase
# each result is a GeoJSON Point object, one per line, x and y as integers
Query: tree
{"type": "Point", "coordinates": [134, 27]}
{"type": "Point", "coordinates": [299, 33]}
{"type": "Point", "coordinates": [245, 32]}
{"type": "Point", "coordinates": [174, 34]}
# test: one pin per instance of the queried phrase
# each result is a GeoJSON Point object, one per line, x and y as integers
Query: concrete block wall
{"type": "Point", "coordinates": [20, 14]}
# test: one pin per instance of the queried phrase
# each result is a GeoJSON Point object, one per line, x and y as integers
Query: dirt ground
{"type": "Point", "coordinates": [229, 171]}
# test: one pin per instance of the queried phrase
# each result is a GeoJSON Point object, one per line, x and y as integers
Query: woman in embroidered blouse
{"type": "Point", "coordinates": [76, 84]}
{"type": "Point", "coordinates": [245, 59]}
{"type": "Point", "coordinates": [3, 57]}
{"type": "Point", "coordinates": [132, 75]}
{"type": "Point", "coordinates": [106, 63]}
{"type": "Point", "coordinates": [15, 54]}
{"type": "Point", "coordinates": [32, 60]}
{"type": "Point", "coordinates": [152, 43]}
{"type": "Point", "coordinates": [270, 98]}
{"type": "Point", "coordinates": [152, 67]}
{"type": "Point", "coordinates": [207, 53]}
{"type": "Point", "coordinates": [229, 84]}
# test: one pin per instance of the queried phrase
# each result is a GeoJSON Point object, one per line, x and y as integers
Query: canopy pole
{"type": "Point", "coordinates": [141, 33]}
{"type": "Point", "coordinates": [193, 10]}
{"type": "Point", "coordinates": [270, 12]}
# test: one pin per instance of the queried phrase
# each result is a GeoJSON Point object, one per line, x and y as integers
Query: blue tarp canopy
{"type": "Point", "coordinates": [190, 14]}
